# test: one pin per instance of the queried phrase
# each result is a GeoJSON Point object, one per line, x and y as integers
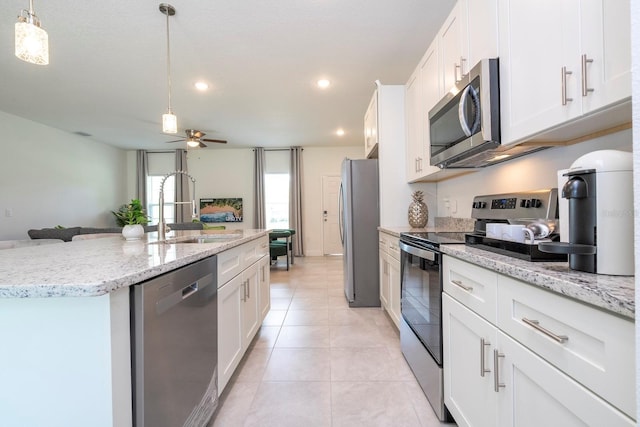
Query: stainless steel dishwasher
{"type": "Point", "coordinates": [175, 347]}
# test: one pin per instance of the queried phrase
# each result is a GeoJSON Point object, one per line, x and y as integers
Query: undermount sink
{"type": "Point", "coordinates": [208, 238]}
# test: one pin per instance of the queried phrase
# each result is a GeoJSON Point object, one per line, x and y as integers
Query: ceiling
{"type": "Point", "coordinates": [107, 73]}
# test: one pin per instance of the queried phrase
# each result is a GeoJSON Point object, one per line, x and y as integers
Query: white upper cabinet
{"type": "Point", "coordinates": [371, 128]}
{"type": "Point", "coordinates": [606, 52]}
{"type": "Point", "coordinates": [423, 91]}
{"type": "Point", "coordinates": [552, 67]}
{"type": "Point", "coordinates": [479, 30]}
{"type": "Point", "coordinates": [453, 49]}
{"type": "Point", "coordinates": [468, 35]}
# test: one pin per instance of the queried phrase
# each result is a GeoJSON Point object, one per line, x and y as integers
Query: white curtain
{"type": "Point", "coordinates": [295, 200]}
{"type": "Point", "coordinates": [259, 219]}
{"type": "Point", "coordinates": [182, 211]}
{"type": "Point", "coordinates": [142, 171]}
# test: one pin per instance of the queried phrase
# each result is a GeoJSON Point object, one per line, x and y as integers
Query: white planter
{"type": "Point", "coordinates": [133, 231]}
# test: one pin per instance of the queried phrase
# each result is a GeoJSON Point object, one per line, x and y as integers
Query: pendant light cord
{"type": "Point", "coordinates": [168, 62]}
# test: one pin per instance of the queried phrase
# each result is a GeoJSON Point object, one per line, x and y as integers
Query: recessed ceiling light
{"type": "Point", "coordinates": [201, 85]}
{"type": "Point", "coordinates": [324, 83]}
{"type": "Point", "coordinates": [340, 132]}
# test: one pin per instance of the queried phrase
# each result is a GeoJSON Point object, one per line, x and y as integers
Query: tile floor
{"type": "Point", "coordinates": [316, 362]}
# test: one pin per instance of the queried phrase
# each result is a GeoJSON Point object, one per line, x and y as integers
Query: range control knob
{"type": "Point", "coordinates": [536, 203]}
{"type": "Point", "coordinates": [482, 205]}
{"type": "Point", "coordinates": [523, 203]}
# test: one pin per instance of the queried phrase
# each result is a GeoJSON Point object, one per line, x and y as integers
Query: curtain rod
{"type": "Point", "coordinates": [278, 149]}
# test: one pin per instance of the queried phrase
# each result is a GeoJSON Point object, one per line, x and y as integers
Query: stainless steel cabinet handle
{"type": "Point", "coordinates": [248, 289]}
{"type": "Point", "coordinates": [461, 285]}
{"type": "Point", "coordinates": [565, 73]}
{"type": "Point", "coordinates": [243, 298]}
{"type": "Point", "coordinates": [497, 385]}
{"type": "Point", "coordinates": [585, 84]}
{"type": "Point", "coordinates": [483, 369]}
{"type": "Point", "coordinates": [462, 61]}
{"type": "Point", "coordinates": [535, 324]}
{"type": "Point", "coordinates": [455, 72]}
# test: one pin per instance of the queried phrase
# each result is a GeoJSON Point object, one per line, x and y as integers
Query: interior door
{"type": "Point", "coordinates": [331, 243]}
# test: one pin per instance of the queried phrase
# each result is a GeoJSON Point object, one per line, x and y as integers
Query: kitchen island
{"type": "Point", "coordinates": [64, 324]}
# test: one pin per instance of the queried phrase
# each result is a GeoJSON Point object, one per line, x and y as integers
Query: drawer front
{"type": "Point", "coordinates": [262, 247]}
{"type": "Point", "coordinates": [595, 348]}
{"type": "Point", "coordinates": [383, 242]}
{"type": "Point", "coordinates": [230, 264]}
{"type": "Point", "coordinates": [394, 248]}
{"type": "Point", "coordinates": [254, 250]}
{"type": "Point", "coordinates": [475, 287]}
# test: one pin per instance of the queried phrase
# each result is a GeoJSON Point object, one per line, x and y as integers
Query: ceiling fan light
{"type": "Point", "coordinates": [193, 143]}
{"type": "Point", "coordinates": [31, 41]}
{"type": "Point", "coordinates": [169, 123]}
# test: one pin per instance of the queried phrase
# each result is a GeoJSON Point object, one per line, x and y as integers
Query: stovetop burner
{"type": "Point", "coordinates": [523, 251]}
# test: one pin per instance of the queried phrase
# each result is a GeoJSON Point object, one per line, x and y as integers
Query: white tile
{"type": "Point", "coordinates": [303, 337]}
{"type": "Point", "coordinates": [291, 404]}
{"type": "Point", "coordinates": [298, 364]}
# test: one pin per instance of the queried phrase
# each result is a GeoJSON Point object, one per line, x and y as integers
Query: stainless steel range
{"type": "Point", "coordinates": [514, 224]}
{"type": "Point", "coordinates": [421, 308]}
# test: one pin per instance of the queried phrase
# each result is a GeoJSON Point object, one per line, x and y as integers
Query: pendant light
{"type": "Point", "coordinates": [32, 42]}
{"type": "Point", "coordinates": [169, 120]}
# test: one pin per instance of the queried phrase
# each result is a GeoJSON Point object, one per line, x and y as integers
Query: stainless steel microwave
{"type": "Point", "coordinates": [465, 125]}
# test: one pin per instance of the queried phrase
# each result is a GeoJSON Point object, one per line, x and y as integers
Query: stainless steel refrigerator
{"type": "Point", "coordinates": [359, 220]}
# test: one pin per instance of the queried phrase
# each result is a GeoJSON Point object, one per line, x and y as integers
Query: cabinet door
{"type": "Point", "coordinates": [230, 350]}
{"type": "Point", "coordinates": [371, 127]}
{"type": "Point", "coordinates": [479, 30]}
{"type": "Point", "coordinates": [265, 288]}
{"type": "Point", "coordinates": [413, 122]}
{"type": "Point", "coordinates": [431, 92]}
{"type": "Point", "coordinates": [452, 52]}
{"type": "Point", "coordinates": [468, 342]}
{"type": "Point", "coordinates": [384, 280]}
{"type": "Point", "coordinates": [535, 394]}
{"type": "Point", "coordinates": [606, 46]}
{"type": "Point", "coordinates": [394, 290]}
{"type": "Point", "coordinates": [250, 309]}
{"type": "Point", "coordinates": [537, 39]}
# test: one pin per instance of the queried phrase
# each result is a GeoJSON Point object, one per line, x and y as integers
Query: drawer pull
{"type": "Point", "coordinates": [536, 325]}
{"type": "Point", "coordinates": [483, 369]}
{"type": "Point", "coordinates": [497, 385]}
{"type": "Point", "coordinates": [461, 285]}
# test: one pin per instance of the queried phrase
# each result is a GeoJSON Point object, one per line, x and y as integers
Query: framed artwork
{"type": "Point", "coordinates": [221, 210]}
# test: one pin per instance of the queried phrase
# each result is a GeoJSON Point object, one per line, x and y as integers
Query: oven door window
{"type": "Point", "coordinates": [421, 300]}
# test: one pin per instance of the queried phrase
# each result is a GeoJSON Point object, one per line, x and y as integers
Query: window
{"type": "Point", "coordinates": [153, 196]}
{"type": "Point", "coordinates": [276, 189]}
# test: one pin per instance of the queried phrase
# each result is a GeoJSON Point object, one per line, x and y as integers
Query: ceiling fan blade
{"type": "Point", "coordinates": [219, 141]}
{"type": "Point", "coordinates": [202, 144]}
{"type": "Point", "coordinates": [198, 134]}
{"type": "Point", "coordinates": [177, 140]}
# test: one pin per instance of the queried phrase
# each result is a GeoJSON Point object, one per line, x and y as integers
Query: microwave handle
{"type": "Point", "coordinates": [461, 116]}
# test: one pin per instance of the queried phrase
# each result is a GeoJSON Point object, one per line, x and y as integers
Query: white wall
{"type": "Point", "coordinates": [532, 172]}
{"type": "Point", "coordinates": [224, 173]}
{"type": "Point", "coordinates": [49, 177]}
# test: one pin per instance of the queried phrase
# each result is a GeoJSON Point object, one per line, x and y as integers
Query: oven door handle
{"type": "Point", "coordinates": [422, 253]}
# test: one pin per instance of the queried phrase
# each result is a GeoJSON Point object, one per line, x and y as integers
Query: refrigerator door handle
{"type": "Point", "coordinates": [341, 215]}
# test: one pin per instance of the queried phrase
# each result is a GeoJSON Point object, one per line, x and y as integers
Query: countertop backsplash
{"type": "Point", "coordinates": [447, 223]}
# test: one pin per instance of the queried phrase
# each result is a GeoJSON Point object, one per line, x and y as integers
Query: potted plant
{"type": "Point", "coordinates": [132, 217]}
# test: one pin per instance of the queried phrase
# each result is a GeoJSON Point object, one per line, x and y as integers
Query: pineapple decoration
{"type": "Point", "coordinates": [418, 211]}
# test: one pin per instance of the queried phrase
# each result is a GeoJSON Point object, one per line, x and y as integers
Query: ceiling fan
{"type": "Point", "coordinates": [194, 139]}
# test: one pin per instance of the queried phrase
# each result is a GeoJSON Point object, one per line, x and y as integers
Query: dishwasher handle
{"type": "Point", "coordinates": [187, 291]}
{"type": "Point", "coordinates": [175, 298]}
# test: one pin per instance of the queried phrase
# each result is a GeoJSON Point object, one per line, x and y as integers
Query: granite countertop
{"type": "Point", "coordinates": [98, 266]}
{"type": "Point", "coordinates": [612, 293]}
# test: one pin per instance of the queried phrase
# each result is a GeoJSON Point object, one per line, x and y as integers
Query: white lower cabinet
{"type": "Point", "coordinates": [500, 370]}
{"type": "Point", "coordinates": [468, 385]}
{"type": "Point", "coordinates": [243, 301]}
{"type": "Point", "coordinates": [533, 393]}
{"type": "Point", "coordinates": [265, 289]}
{"type": "Point", "coordinates": [389, 255]}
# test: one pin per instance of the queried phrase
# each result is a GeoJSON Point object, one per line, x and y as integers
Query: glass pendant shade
{"type": "Point", "coordinates": [193, 143]}
{"type": "Point", "coordinates": [169, 123]}
{"type": "Point", "coordinates": [32, 43]}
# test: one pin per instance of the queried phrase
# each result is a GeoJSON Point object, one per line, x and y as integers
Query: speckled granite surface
{"type": "Point", "coordinates": [98, 266]}
{"type": "Point", "coordinates": [612, 293]}
{"type": "Point", "coordinates": [442, 224]}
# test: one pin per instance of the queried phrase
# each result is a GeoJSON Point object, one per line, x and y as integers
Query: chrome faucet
{"type": "Point", "coordinates": [163, 229]}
